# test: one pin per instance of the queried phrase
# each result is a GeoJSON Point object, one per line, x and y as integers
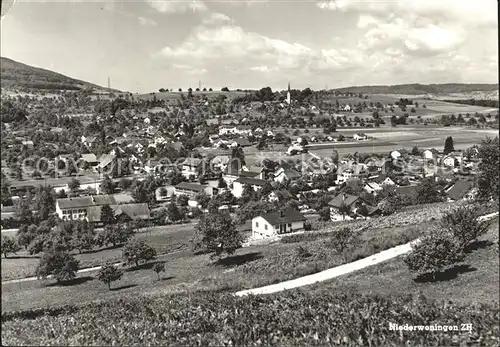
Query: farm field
{"type": "Point", "coordinates": [250, 267]}
{"type": "Point", "coordinates": [475, 281]}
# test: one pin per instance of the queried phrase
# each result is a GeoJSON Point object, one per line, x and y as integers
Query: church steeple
{"type": "Point", "coordinates": [288, 96]}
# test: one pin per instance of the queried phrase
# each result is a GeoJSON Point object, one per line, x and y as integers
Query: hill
{"type": "Point", "coordinates": [419, 89]}
{"type": "Point", "coordinates": [17, 75]}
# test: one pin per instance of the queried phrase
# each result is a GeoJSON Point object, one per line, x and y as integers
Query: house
{"type": "Point", "coordinates": [345, 175]}
{"type": "Point", "coordinates": [279, 195]}
{"type": "Point", "coordinates": [106, 162]}
{"type": "Point", "coordinates": [286, 174]}
{"type": "Point", "coordinates": [122, 213]}
{"type": "Point", "coordinates": [242, 142]}
{"type": "Point", "coordinates": [428, 154]}
{"type": "Point", "coordinates": [239, 185]}
{"type": "Point", "coordinates": [78, 207]}
{"type": "Point", "coordinates": [29, 144]}
{"type": "Point", "coordinates": [190, 167]}
{"type": "Point", "coordinates": [382, 180]}
{"type": "Point", "coordinates": [90, 158]}
{"type": "Point", "coordinates": [89, 141]}
{"type": "Point", "coordinates": [395, 155]}
{"type": "Point", "coordinates": [220, 162]}
{"type": "Point", "coordinates": [407, 192]}
{"type": "Point", "coordinates": [449, 161]}
{"type": "Point", "coordinates": [193, 189]}
{"type": "Point", "coordinates": [277, 223]}
{"type": "Point", "coordinates": [461, 190]}
{"type": "Point", "coordinates": [372, 187]}
{"type": "Point", "coordinates": [347, 108]}
{"type": "Point", "coordinates": [360, 137]}
{"type": "Point", "coordinates": [346, 207]}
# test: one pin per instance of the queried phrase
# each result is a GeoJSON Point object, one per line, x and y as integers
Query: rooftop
{"type": "Point", "coordinates": [284, 217]}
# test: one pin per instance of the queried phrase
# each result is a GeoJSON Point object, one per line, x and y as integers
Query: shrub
{"type": "Point", "coordinates": [341, 239]}
{"type": "Point", "coordinates": [434, 252]}
{"type": "Point", "coordinates": [302, 252]}
{"type": "Point", "coordinates": [109, 273]}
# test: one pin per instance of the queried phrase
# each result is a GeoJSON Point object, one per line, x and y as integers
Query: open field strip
{"type": "Point", "coordinates": [340, 270]}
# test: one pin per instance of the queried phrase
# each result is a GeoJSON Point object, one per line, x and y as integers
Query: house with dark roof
{"type": "Point", "coordinates": [347, 207]}
{"type": "Point", "coordinates": [78, 207]}
{"type": "Point", "coordinates": [242, 142]}
{"type": "Point", "coordinates": [277, 223]}
{"type": "Point", "coordinates": [239, 185]}
{"type": "Point", "coordinates": [461, 190]}
{"type": "Point", "coordinates": [122, 213]}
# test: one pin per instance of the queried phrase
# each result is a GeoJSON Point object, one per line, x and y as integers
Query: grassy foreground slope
{"type": "Point", "coordinates": [473, 281]}
{"type": "Point", "coordinates": [287, 319]}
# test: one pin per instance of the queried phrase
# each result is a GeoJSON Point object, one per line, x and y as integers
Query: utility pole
{"type": "Point", "coordinates": [109, 83]}
{"type": "Point", "coordinates": [199, 85]}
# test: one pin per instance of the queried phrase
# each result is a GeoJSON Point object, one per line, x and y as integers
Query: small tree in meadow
{"type": "Point", "coordinates": [9, 245]}
{"type": "Point", "coordinates": [464, 225]}
{"type": "Point", "coordinates": [107, 215]}
{"type": "Point", "coordinates": [62, 265]}
{"type": "Point", "coordinates": [109, 273]}
{"type": "Point", "coordinates": [341, 239]}
{"type": "Point", "coordinates": [159, 267]}
{"type": "Point", "coordinates": [435, 252]}
{"type": "Point", "coordinates": [135, 252]}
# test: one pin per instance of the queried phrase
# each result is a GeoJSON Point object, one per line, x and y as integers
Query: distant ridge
{"type": "Point", "coordinates": [418, 89]}
{"type": "Point", "coordinates": [15, 75]}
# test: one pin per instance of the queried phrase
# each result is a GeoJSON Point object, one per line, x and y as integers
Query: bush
{"type": "Point", "coordinates": [341, 239]}
{"type": "Point", "coordinates": [434, 253]}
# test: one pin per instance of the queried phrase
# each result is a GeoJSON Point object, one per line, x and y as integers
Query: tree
{"type": "Point", "coordinates": [182, 200]}
{"type": "Point", "coordinates": [9, 245]}
{"type": "Point", "coordinates": [83, 238]}
{"type": "Point", "coordinates": [109, 273]}
{"type": "Point", "coordinates": [107, 185]}
{"type": "Point", "coordinates": [435, 252]}
{"type": "Point", "coordinates": [225, 89]}
{"type": "Point", "coordinates": [341, 238]}
{"type": "Point", "coordinates": [335, 156]}
{"type": "Point", "coordinates": [464, 225]}
{"type": "Point", "coordinates": [488, 171]}
{"type": "Point", "coordinates": [45, 202]}
{"type": "Point", "coordinates": [428, 191]}
{"type": "Point", "coordinates": [163, 191]}
{"type": "Point", "coordinates": [62, 265]}
{"type": "Point", "coordinates": [415, 151]}
{"type": "Point", "coordinates": [173, 212]}
{"type": "Point", "coordinates": [107, 215]}
{"type": "Point", "coordinates": [222, 183]}
{"type": "Point", "coordinates": [74, 185]}
{"type": "Point", "coordinates": [215, 233]}
{"type": "Point", "coordinates": [448, 145]}
{"type": "Point", "coordinates": [137, 251]}
{"type": "Point", "coordinates": [159, 267]}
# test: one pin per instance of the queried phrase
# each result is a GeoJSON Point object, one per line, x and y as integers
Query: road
{"type": "Point", "coordinates": [339, 270]}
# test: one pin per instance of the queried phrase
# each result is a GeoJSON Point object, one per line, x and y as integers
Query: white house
{"type": "Point", "coordinates": [219, 163]}
{"type": "Point", "coordinates": [277, 223]}
{"type": "Point", "coordinates": [77, 208]}
{"type": "Point", "coordinates": [286, 174]}
{"type": "Point", "coordinates": [345, 176]}
{"type": "Point", "coordinates": [449, 161]}
{"type": "Point", "coordinates": [239, 185]}
{"type": "Point", "coordinates": [193, 189]}
{"type": "Point", "coordinates": [428, 154]}
{"type": "Point", "coordinates": [395, 155]}
{"type": "Point", "coordinates": [347, 108]}
{"type": "Point", "coordinates": [88, 141]}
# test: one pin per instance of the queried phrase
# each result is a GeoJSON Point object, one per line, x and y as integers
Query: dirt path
{"type": "Point", "coordinates": [339, 270]}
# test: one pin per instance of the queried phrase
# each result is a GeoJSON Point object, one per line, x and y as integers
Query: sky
{"type": "Point", "coordinates": [144, 45]}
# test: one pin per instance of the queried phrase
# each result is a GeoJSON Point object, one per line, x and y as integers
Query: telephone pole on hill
{"type": "Point", "coordinates": [109, 83]}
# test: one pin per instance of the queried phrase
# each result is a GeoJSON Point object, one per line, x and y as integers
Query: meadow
{"type": "Point", "coordinates": [249, 267]}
